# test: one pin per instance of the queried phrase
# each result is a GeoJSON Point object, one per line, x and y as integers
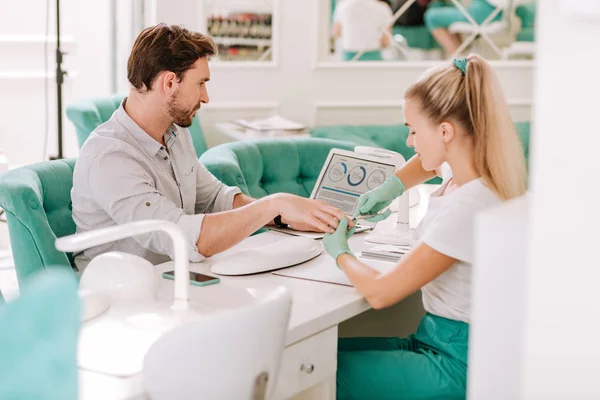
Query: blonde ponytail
{"type": "Point", "coordinates": [443, 93]}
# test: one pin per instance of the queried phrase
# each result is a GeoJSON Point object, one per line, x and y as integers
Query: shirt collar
{"type": "Point", "coordinates": [171, 136]}
{"type": "Point", "coordinates": [146, 141]}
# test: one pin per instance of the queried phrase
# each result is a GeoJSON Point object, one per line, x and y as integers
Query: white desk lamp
{"type": "Point", "coordinates": [119, 291]}
{"type": "Point", "coordinates": [400, 235]}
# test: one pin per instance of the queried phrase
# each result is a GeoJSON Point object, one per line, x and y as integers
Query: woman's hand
{"type": "Point", "coordinates": [379, 198]}
{"type": "Point", "coordinates": [336, 243]}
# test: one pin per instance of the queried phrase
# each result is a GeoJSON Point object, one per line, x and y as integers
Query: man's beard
{"type": "Point", "coordinates": [182, 117]}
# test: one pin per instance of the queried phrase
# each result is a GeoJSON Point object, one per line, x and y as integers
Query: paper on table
{"type": "Point", "coordinates": [390, 248]}
{"type": "Point", "coordinates": [323, 269]}
{"type": "Point", "coordinates": [274, 122]}
{"type": "Point", "coordinates": [386, 252]}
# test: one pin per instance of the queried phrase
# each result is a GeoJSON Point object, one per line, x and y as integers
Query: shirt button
{"type": "Point", "coordinates": [239, 180]}
{"type": "Point", "coordinates": [166, 158]}
{"type": "Point", "coordinates": [162, 148]}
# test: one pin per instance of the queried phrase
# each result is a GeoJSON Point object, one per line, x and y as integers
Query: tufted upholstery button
{"type": "Point", "coordinates": [33, 205]}
{"type": "Point", "coordinates": [239, 180]}
{"type": "Point", "coordinates": [300, 180]}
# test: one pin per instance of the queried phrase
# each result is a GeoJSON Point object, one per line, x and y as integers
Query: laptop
{"type": "Point", "coordinates": [344, 177]}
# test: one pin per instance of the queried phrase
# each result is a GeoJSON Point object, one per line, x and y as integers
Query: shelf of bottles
{"type": "Point", "coordinates": [242, 36]}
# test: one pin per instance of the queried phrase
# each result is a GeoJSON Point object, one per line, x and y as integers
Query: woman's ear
{"type": "Point", "coordinates": [447, 132]}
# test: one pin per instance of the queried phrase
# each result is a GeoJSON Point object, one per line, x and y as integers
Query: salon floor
{"type": "Point", "coordinates": [8, 278]}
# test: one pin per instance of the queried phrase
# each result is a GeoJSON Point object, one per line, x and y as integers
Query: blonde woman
{"type": "Point", "coordinates": [461, 129]}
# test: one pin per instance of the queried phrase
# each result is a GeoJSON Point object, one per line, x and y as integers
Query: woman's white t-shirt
{"type": "Point", "coordinates": [363, 23]}
{"type": "Point", "coordinates": [448, 227]}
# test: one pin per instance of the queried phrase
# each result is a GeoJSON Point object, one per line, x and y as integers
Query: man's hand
{"type": "Point", "coordinates": [308, 215]}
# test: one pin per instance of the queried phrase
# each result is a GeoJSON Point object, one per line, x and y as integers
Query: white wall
{"type": "Point", "coordinates": [294, 85]}
{"type": "Point", "coordinates": [85, 31]}
{"type": "Point", "coordinates": [298, 87]}
{"type": "Point", "coordinates": [562, 346]}
{"type": "Point", "coordinates": [552, 303]}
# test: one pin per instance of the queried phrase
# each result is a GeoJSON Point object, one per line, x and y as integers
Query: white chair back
{"type": "Point", "coordinates": [228, 355]}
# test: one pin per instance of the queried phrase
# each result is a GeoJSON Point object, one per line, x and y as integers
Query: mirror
{"type": "Point", "coordinates": [417, 30]}
{"type": "Point", "coordinates": [242, 29]}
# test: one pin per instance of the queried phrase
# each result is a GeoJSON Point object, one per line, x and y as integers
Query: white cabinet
{"type": "Point", "coordinates": [306, 363]}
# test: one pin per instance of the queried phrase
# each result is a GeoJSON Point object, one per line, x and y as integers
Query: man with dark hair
{"type": "Point", "coordinates": [141, 163]}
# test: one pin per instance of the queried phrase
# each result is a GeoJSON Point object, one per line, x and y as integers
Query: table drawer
{"type": "Point", "coordinates": [307, 363]}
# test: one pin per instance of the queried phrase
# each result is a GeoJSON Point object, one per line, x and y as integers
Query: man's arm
{"type": "Point", "coordinates": [212, 195]}
{"type": "Point", "coordinates": [241, 200]}
{"type": "Point", "coordinates": [222, 230]}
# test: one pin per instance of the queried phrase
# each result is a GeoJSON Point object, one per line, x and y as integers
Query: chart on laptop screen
{"type": "Point", "coordinates": [346, 178]}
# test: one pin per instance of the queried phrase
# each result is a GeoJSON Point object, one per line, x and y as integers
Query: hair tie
{"type": "Point", "coordinates": [461, 65]}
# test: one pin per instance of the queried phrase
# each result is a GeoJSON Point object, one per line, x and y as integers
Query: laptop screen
{"type": "Point", "coordinates": [346, 178]}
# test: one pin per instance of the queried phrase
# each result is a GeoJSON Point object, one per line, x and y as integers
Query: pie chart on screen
{"type": "Point", "coordinates": [338, 171]}
{"type": "Point", "coordinates": [375, 179]}
{"type": "Point", "coordinates": [357, 175]}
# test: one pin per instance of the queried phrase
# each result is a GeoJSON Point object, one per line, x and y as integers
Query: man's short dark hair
{"type": "Point", "coordinates": [165, 47]}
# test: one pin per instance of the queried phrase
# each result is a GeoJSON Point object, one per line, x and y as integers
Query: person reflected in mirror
{"type": "Point", "coordinates": [364, 27]}
{"type": "Point", "coordinates": [439, 17]}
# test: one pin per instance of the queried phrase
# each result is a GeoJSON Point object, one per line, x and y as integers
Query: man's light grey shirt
{"type": "Point", "coordinates": [123, 175]}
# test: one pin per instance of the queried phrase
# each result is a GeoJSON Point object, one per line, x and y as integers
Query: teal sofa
{"type": "Point", "coordinates": [392, 137]}
{"type": "Point", "coordinates": [88, 114]}
{"type": "Point", "coordinates": [268, 166]}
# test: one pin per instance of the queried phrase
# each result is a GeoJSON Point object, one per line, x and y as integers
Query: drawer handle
{"type": "Point", "coordinates": [308, 368]}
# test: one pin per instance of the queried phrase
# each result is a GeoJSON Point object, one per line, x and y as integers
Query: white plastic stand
{"type": "Point", "coordinates": [401, 234]}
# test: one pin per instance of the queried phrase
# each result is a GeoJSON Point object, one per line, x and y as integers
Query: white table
{"type": "Point", "coordinates": [238, 132]}
{"type": "Point", "coordinates": [318, 308]}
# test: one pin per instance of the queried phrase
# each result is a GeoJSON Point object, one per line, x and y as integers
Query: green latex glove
{"type": "Point", "coordinates": [379, 198]}
{"type": "Point", "coordinates": [336, 243]}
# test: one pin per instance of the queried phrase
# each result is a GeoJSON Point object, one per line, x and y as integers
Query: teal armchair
{"type": "Point", "coordinates": [268, 166]}
{"type": "Point", "coordinates": [87, 115]}
{"type": "Point", "coordinates": [37, 202]}
{"type": "Point", "coordinates": [38, 339]}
